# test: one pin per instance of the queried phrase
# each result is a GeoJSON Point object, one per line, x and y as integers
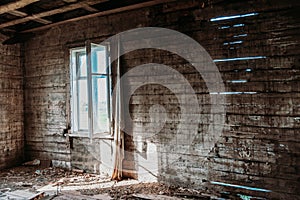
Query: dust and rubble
{"type": "Point", "coordinates": [31, 181]}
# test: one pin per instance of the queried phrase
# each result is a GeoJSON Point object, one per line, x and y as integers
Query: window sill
{"type": "Point", "coordinates": [95, 136]}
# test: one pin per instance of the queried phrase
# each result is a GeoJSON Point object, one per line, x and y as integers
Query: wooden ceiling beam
{"type": "Point", "coordinates": [43, 21]}
{"type": "Point", "coordinates": [18, 13]}
{"type": "Point", "coordinates": [15, 5]}
{"type": "Point", "coordinates": [22, 14]}
{"type": "Point", "coordinates": [89, 8]}
{"type": "Point", "coordinates": [51, 12]}
{"type": "Point", "coordinates": [102, 13]}
{"type": "Point", "coordinates": [84, 5]}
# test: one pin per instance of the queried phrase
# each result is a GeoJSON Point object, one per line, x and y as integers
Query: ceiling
{"type": "Point", "coordinates": [20, 18]}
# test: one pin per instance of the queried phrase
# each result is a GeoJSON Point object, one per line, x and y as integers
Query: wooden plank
{"type": "Point", "coordinates": [154, 197]}
{"type": "Point", "coordinates": [43, 21]}
{"type": "Point", "coordinates": [103, 13]}
{"type": "Point", "coordinates": [24, 194]}
{"type": "Point", "coordinates": [15, 5]}
{"type": "Point", "coordinates": [89, 8]}
{"type": "Point", "coordinates": [51, 12]}
{"type": "Point", "coordinates": [18, 13]}
{"type": "Point", "coordinates": [22, 14]}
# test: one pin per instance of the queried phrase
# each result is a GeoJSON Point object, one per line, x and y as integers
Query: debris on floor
{"type": "Point", "coordinates": [154, 197]}
{"type": "Point", "coordinates": [75, 195]}
{"type": "Point", "coordinates": [59, 184]}
{"type": "Point", "coordinates": [32, 178]}
{"type": "Point", "coordinates": [147, 191]}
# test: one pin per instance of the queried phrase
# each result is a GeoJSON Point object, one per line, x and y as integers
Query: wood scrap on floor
{"type": "Point", "coordinates": [155, 197]}
{"type": "Point", "coordinates": [34, 162]}
{"type": "Point", "coordinates": [74, 195]}
{"type": "Point", "coordinates": [23, 195]}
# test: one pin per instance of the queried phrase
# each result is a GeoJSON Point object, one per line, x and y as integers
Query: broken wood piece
{"type": "Point", "coordinates": [34, 162]}
{"type": "Point", "coordinates": [154, 197]}
{"type": "Point", "coordinates": [24, 194]}
{"type": "Point", "coordinates": [78, 170]}
{"type": "Point", "coordinates": [188, 195]}
{"type": "Point", "coordinates": [77, 196]}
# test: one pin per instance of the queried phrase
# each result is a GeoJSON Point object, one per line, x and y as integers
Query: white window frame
{"type": "Point", "coordinates": [74, 79]}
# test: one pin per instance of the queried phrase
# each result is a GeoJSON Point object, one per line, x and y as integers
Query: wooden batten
{"type": "Point", "coordinates": [103, 13]}
{"type": "Point", "coordinates": [51, 12]}
{"type": "Point", "coordinates": [16, 5]}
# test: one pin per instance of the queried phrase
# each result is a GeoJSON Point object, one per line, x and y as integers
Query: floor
{"type": "Point", "coordinates": [35, 182]}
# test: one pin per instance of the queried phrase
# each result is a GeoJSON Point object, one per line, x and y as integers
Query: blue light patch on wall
{"type": "Point", "coordinates": [241, 58]}
{"type": "Point", "coordinates": [235, 42]}
{"type": "Point", "coordinates": [228, 93]}
{"type": "Point", "coordinates": [224, 27]}
{"type": "Point", "coordinates": [242, 35]}
{"type": "Point", "coordinates": [238, 25]}
{"type": "Point", "coordinates": [240, 186]}
{"type": "Point", "coordinates": [232, 17]}
{"type": "Point", "coordinates": [238, 81]}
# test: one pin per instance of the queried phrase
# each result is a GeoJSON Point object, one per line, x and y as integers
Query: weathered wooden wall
{"type": "Point", "coordinates": [46, 97]}
{"type": "Point", "coordinates": [11, 105]}
{"type": "Point", "coordinates": [260, 144]}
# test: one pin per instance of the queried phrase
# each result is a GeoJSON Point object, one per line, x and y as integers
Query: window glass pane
{"type": "Point", "coordinates": [100, 104]}
{"type": "Point", "coordinates": [99, 59]}
{"type": "Point", "coordinates": [74, 106]}
{"type": "Point", "coordinates": [82, 65]}
{"type": "Point", "coordinates": [100, 96]}
{"type": "Point", "coordinates": [82, 104]}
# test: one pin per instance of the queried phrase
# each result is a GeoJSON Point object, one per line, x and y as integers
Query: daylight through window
{"type": "Point", "coordinates": [91, 90]}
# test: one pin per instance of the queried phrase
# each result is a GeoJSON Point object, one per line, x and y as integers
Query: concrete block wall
{"type": "Point", "coordinates": [259, 146]}
{"type": "Point", "coordinates": [11, 105]}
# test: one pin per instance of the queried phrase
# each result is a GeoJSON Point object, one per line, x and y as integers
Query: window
{"type": "Point", "coordinates": [91, 90]}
